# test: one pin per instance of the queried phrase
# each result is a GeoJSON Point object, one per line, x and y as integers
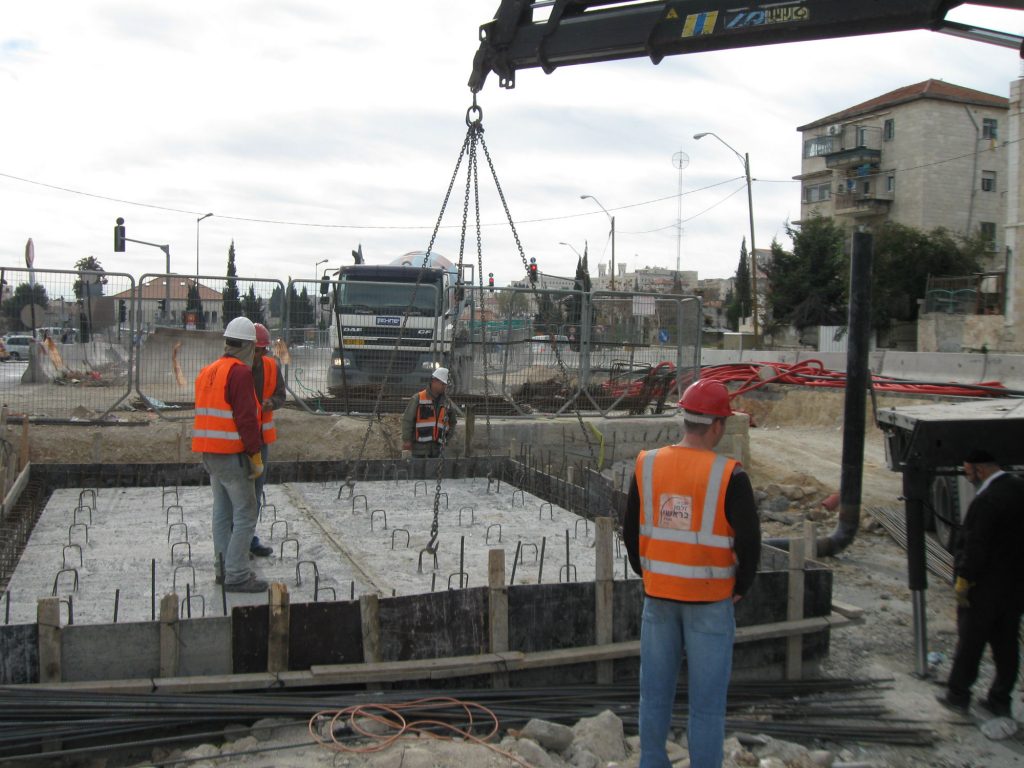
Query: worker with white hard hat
{"type": "Point", "coordinates": [227, 433]}
{"type": "Point", "coordinates": [428, 422]}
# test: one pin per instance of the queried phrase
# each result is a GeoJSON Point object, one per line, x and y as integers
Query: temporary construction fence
{"type": "Point", "coordinates": [100, 341]}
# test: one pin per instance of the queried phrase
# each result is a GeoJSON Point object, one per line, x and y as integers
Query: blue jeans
{"type": "Point", "coordinates": [706, 630]}
{"type": "Point", "coordinates": [234, 512]}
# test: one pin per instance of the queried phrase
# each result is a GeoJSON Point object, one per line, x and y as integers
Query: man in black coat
{"type": "Point", "coordinates": [989, 570]}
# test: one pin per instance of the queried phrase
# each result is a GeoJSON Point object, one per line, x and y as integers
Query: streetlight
{"type": "Point", "coordinates": [591, 197]}
{"type": "Point", "coordinates": [569, 245]}
{"type": "Point", "coordinates": [322, 261]}
{"type": "Point", "coordinates": [745, 159]}
{"type": "Point", "coordinates": [197, 246]}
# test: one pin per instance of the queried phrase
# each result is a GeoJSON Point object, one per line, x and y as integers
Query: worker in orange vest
{"type": "Point", "coordinates": [269, 386]}
{"type": "Point", "coordinates": [226, 432]}
{"type": "Point", "coordinates": [428, 421]}
{"type": "Point", "coordinates": [692, 532]}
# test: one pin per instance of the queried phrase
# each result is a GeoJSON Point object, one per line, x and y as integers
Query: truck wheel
{"type": "Point", "coordinates": [945, 497]}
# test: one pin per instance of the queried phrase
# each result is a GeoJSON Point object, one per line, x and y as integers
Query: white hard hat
{"type": "Point", "coordinates": [441, 374]}
{"type": "Point", "coordinates": [240, 329]}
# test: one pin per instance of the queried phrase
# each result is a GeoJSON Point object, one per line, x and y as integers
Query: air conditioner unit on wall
{"type": "Point", "coordinates": [835, 130]}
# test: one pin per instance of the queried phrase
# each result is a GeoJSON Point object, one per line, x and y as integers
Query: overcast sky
{"type": "Point", "coordinates": [311, 126]}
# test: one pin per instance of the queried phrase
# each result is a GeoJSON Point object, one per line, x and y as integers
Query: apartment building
{"type": "Point", "coordinates": [926, 155]}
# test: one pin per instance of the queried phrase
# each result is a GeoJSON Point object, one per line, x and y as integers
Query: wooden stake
{"type": "Point", "coordinates": [603, 602]}
{"type": "Point", "coordinates": [48, 621]}
{"type": "Point", "coordinates": [497, 610]}
{"type": "Point", "coordinates": [795, 608]}
{"type": "Point", "coordinates": [277, 637]}
{"type": "Point", "coordinates": [169, 635]}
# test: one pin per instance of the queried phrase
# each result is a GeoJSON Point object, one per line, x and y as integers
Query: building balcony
{"type": "Point", "coordinates": [859, 203]}
{"type": "Point", "coordinates": [853, 158]}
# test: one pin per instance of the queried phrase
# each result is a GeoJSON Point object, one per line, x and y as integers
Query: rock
{"type": "Point", "coordinates": [771, 762]}
{"type": "Point", "coordinates": [818, 514]}
{"type": "Point", "coordinates": [554, 737]}
{"type": "Point", "coordinates": [531, 752]}
{"type": "Point", "coordinates": [582, 758]}
{"type": "Point", "coordinates": [778, 504]}
{"type": "Point", "coordinates": [244, 744]}
{"type": "Point", "coordinates": [373, 726]}
{"type": "Point", "coordinates": [234, 731]}
{"type": "Point", "coordinates": [601, 735]}
{"type": "Point", "coordinates": [793, 492]}
{"type": "Point", "coordinates": [791, 755]}
{"type": "Point", "coordinates": [773, 489]}
{"type": "Point", "coordinates": [417, 757]}
{"type": "Point", "coordinates": [202, 752]}
{"type": "Point", "coordinates": [822, 758]}
{"type": "Point", "coordinates": [736, 754]}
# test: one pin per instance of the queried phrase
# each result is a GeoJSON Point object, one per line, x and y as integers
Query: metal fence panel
{"type": "Point", "coordinates": [644, 349]}
{"type": "Point", "coordinates": [178, 328]}
{"type": "Point", "coordinates": [67, 353]}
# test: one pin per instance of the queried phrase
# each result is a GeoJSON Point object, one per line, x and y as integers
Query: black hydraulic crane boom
{"type": "Point", "coordinates": [582, 31]}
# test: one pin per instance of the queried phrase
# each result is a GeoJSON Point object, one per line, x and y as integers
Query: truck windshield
{"type": "Point", "coordinates": [388, 298]}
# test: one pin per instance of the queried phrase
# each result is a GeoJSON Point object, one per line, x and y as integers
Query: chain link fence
{"type": "Point", "coordinates": [82, 344]}
{"type": "Point", "coordinates": [67, 353]}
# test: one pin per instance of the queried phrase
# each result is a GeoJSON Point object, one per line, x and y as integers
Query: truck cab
{"type": "Point", "coordinates": [393, 323]}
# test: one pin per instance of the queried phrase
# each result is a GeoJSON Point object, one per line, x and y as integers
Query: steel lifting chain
{"type": "Point", "coordinates": [566, 381]}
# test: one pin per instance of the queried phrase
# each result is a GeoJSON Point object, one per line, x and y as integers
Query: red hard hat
{"type": "Point", "coordinates": [262, 336]}
{"type": "Point", "coordinates": [708, 397]}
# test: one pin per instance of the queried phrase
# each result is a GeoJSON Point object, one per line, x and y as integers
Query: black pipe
{"type": "Point", "coordinates": [857, 380]}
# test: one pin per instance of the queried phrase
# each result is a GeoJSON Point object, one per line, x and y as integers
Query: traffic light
{"type": "Point", "coordinates": [533, 270]}
{"type": "Point", "coordinates": [490, 281]}
{"type": "Point", "coordinates": [122, 310]}
{"type": "Point", "coordinates": [119, 236]}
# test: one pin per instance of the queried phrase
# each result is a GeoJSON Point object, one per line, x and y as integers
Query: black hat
{"type": "Point", "coordinates": [979, 456]}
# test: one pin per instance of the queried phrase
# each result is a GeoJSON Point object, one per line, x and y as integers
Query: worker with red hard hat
{"type": "Point", "coordinates": [269, 385]}
{"type": "Point", "coordinates": [692, 532]}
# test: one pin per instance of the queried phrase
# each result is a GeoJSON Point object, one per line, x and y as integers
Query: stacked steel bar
{"type": "Point", "coordinates": [33, 719]}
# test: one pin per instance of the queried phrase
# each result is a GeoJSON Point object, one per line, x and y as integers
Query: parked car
{"type": "Point", "coordinates": [17, 346]}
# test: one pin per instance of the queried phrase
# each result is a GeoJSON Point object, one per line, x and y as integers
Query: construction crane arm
{"type": "Point", "coordinates": [583, 31]}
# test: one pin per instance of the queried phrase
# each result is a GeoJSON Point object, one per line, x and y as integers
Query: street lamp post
{"type": "Point", "coordinates": [208, 215]}
{"type": "Point", "coordinates": [745, 159]}
{"type": "Point", "coordinates": [570, 245]}
{"type": "Point", "coordinates": [612, 218]}
{"type": "Point", "coordinates": [315, 275]}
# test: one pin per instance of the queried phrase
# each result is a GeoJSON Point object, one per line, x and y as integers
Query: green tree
{"type": "Point", "coordinates": [903, 259]}
{"type": "Point", "coordinates": [90, 278]}
{"type": "Point", "coordinates": [807, 286]}
{"type": "Point", "coordinates": [276, 303]}
{"type": "Point", "coordinates": [252, 306]}
{"type": "Point", "coordinates": [512, 303]}
{"type": "Point", "coordinates": [195, 304]}
{"type": "Point", "coordinates": [232, 305]}
{"type": "Point", "coordinates": [24, 294]}
{"type": "Point", "coordinates": [738, 303]}
{"type": "Point", "coordinates": [300, 308]}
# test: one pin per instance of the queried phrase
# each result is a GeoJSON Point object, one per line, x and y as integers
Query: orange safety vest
{"type": "Point", "coordinates": [686, 542]}
{"type": "Point", "coordinates": [214, 429]}
{"type": "Point", "coordinates": [269, 385]}
{"type": "Point", "coordinates": [431, 427]}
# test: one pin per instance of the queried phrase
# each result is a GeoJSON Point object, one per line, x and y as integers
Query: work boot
{"type": "Point", "coordinates": [259, 549]}
{"type": "Point", "coordinates": [952, 703]}
{"type": "Point", "coordinates": [994, 709]}
{"type": "Point", "coordinates": [251, 584]}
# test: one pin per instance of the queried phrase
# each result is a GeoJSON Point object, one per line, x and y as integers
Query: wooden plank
{"type": "Point", "coordinates": [169, 635]}
{"type": "Point", "coordinates": [430, 669]}
{"type": "Point", "coordinates": [48, 621]}
{"type": "Point", "coordinates": [497, 610]}
{"type": "Point", "coordinates": [795, 608]}
{"type": "Point", "coordinates": [277, 635]}
{"type": "Point", "coordinates": [847, 610]}
{"type": "Point", "coordinates": [603, 600]}
{"type": "Point", "coordinates": [23, 453]}
{"type": "Point", "coordinates": [11, 498]}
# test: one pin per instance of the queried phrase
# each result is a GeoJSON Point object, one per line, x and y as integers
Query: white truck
{"type": "Point", "coordinates": [393, 323]}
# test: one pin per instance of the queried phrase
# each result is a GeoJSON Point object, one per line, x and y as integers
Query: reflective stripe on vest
{"type": "Point", "coordinates": [269, 387]}
{"type": "Point", "coordinates": [681, 561]}
{"type": "Point", "coordinates": [430, 427]}
{"type": "Point", "coordinates": [214, 429]}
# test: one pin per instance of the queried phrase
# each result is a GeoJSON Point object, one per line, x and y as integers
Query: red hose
{"type": "Point", "coordinates": [811, 373]}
